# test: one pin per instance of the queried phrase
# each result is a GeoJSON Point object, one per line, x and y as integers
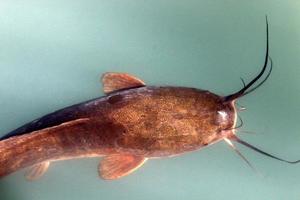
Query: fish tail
{"type": "Point", "coordinates": [12, 156]}
{"type": "Point", "coordinates": [6, 156]}
{"type": "Point", "coordinates": [16, 153]}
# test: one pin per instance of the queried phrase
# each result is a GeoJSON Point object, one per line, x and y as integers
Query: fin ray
{"type": "Point", "coordinates": [113, 81]}
{"type": "Point", "coordinates": [117, 166]}
{"type": "Point", "coordinates": [37, 171]}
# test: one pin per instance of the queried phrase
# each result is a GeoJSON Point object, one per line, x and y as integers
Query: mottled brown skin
{"type": "Point", "coordinates": [145, 121]}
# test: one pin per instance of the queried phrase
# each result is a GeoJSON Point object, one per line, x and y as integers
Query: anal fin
{"type": "Point", "coordinates": [37, 171]}
{"type": "Point", "coordinates": [117, 166]}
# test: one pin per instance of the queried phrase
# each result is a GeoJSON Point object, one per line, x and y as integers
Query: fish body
{"type": "Point", "coordinates": [142, 122]}
{"type": "Point", "coordinates": [129, 125]}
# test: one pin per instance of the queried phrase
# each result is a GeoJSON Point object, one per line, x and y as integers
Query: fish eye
{"type": "Point", "coordinates": [222, 114]}
{"type": "Point", "coordinates": [221, 118]}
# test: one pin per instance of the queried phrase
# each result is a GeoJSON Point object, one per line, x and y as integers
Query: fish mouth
{"type": "Point", "coordinates": [234, 115]}
{"type": "Point", "coordinates": [231, 130]}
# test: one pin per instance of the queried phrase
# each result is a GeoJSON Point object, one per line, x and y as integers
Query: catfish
{"type": "Point", "coordinates": [132, 123]}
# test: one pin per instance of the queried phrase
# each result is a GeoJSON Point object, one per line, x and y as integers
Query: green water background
{"type": "Point", "coordinates": [53, 52]}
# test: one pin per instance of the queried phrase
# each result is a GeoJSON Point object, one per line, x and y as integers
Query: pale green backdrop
{"type": "Point", "coordinates": [52, 53]}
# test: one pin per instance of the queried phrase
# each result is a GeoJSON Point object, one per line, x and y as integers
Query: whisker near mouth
{"type": "Point", "coordinates": [248, 132]}
{"type": "Point", "coordinates": [247, 87]}
{"type": "Point", "coordinates": [236, 139]}
{"type": "Point", "coordinates": [231, 145]}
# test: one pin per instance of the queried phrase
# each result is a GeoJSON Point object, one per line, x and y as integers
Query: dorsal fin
{"type": "Point", "coordinates": [113, 81]}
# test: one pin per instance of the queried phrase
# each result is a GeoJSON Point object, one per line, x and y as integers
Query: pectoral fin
{"type": "Point", "coordinates": [37, 171]}
{"type": "Point", "coordinates": [117, 81]}
{"type": "Point", "coordinates": [117, 166]}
